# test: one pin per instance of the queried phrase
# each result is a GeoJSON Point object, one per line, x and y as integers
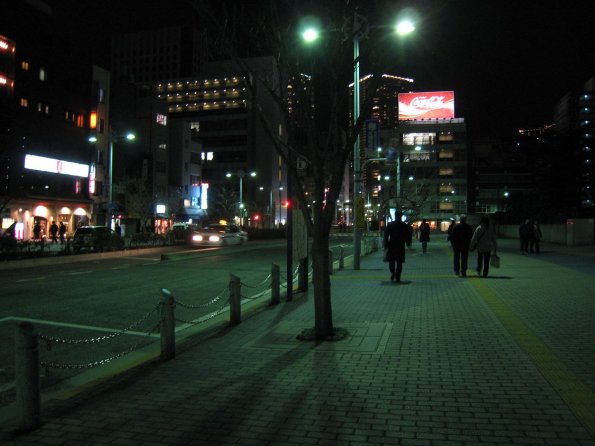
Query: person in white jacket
{"type": "Point", "coordinates": [484, 240]}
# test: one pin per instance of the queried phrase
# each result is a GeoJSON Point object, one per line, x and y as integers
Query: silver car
{"type": "Point", "coordinates": [219, 235]}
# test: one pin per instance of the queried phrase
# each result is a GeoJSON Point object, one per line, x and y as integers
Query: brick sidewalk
{"type": "Point", "coordinates": [438, 360]}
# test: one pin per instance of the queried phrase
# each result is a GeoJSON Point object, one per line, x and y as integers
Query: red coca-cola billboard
{"type": "Point", "coordinates": [427, 105]}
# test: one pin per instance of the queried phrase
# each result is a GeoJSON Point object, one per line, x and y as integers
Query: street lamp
{"type": "Point", "coordinates": [359, 29]}
{"type": "Point", "coordinates": [241, 174]}
{"type": "Point", "coordinates": [113, 137]}
{"type": "Point", "coordinates": [360, 26]}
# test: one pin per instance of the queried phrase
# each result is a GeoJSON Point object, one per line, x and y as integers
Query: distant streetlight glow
{"type": "Point", "coordinates": [310, 35]}
{"type": "Point", "coordinates": [404, 27]}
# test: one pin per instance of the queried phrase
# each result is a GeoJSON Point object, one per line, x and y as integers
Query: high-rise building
{"type": "Point", "coordinates": [157, 54]}
{"type": "Point", "coordinates": [47, 94]}
{"type": "Point", "coordinates": [574, 117]}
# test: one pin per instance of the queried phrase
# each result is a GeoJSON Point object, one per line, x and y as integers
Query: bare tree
{"type": "Point", "coordinates": [139, 200]}
{"type": "Point", "coordinates": [320, 132]}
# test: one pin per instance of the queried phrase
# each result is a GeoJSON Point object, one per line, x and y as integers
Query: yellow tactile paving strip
{"type": "Point", "coordinates": [576, 394]}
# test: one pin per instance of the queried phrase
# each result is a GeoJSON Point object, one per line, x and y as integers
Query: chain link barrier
{"type": "Point", "coordinates": [53, 340]}
{"type": "Point", "coordinates": [89, 365]}
{"type": "Point", "coordinates": [49, 340]}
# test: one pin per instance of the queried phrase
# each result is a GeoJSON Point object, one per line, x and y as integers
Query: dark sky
{"type": "Point", "coordinates": [508, 61]}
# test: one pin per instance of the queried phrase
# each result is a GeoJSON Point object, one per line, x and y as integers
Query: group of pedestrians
{"type": "Point", "coordinates": [55, 230]}
{"type": "Point", "coordinates": [530, 236]}
{"type": "Point", "coordinates": [463, 239]}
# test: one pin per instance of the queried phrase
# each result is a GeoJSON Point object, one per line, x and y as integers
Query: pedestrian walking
{"type": "Point", "coordinates": [536, 238]}
{"type": "Point", "coordinates": [460, 239]}
{"type": "Point", "coordinates": [54, 232]}
{"type": "Point", "coordinates": [62, 232]}
{"type": "Point", "coordinates": [424, 235]}
{"type": "Point", "coordinates": [449, 232]}
{"type": "Point", "coordinates": [396, 235]}
{"type": "Point", "coordinates": [484, 240]}
{"type": "Point", "coordinates": [36, 231]}
{"type": "Point", "coordinates": [525, 230]}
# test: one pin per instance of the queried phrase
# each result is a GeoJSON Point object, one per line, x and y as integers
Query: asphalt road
{"type": "Point", "coordinates": [89, 303]}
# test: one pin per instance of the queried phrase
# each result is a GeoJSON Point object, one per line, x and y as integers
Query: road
{"type": "Point", "coordinates": [91, 302]}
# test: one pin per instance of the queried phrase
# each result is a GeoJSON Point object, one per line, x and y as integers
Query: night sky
{"type": "Point", "coordinates": [508, 61]}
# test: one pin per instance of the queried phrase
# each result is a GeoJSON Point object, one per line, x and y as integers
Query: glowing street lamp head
{"type": "Point", "coordinates": [130, 136]}
{"type": "Point", "coordinates": [404, 27]}
{"type": "Point", "coordinates": [310, 34]}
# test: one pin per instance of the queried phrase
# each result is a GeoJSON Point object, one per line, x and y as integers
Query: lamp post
{"type": "Point", "coordinates": [280, 205]}
{"type": "Point", "coordinates": [360, 28]}
{"type": "Point", "coordinates": [241, 174]}
{"type": "Point", "coordinates": [113, 137]}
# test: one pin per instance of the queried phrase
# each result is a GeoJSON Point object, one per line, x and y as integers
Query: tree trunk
{"type": "Point", "coordinates": [323, 312]}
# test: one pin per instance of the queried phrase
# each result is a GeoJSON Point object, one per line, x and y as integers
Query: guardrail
{"type": "Point", "coordinates": [163, 315]}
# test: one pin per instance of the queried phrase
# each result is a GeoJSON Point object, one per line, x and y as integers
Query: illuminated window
{"type": "Point", "coordinates": [412, 139]}
{"type": "Point", "coordinates": [446, 172]}
{"type": "Point", "coordinates": [446, 206]}
{"type": "Point", "coordinates": [43, 76]}
{"type": "Point", "coordinates": [443, 137]}
{"type": "Point", "coordinates": [161, 119]}
{"type": "Point", "coordinates": [93, 120]}
{"type": "Point", "coordinates": [24, 102]}
{"type": "Point", "coordinates": [446, 188]}
{"type": "Point", "coordinates": [80, 121]}
{"type": "Point", "coordinates": [43, 108]}
{"type": "Point", "coordinates": [446, 154]}
{"type": "Point", "coordinates": [162, 146]}
{"type": "Point", "coordinates": [25, 65]}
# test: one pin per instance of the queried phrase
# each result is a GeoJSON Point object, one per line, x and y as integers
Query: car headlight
{"type": "Point", "coordinates": [214, 238]}
{"type": "Point", "coordinates": [197, 238]}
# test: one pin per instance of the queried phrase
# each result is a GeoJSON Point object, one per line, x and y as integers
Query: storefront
{"type": "Point", "coordinates": [28, 219]}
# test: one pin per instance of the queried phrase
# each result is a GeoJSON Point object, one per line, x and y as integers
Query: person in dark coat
{"type": "Point", "coordinates": [525, 235]}
{"type": "Point", "coordinates": [460, 238]}
{"type": "Point", "coordinates": [424, 235]}
{"type": "Point", "coordinates": [396, 235]}
{"type": "Point", "coordinates": [54, 232]}
{"type": "Point", "coordinates": [62, 231]}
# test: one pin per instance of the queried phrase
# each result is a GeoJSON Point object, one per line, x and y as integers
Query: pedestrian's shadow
{"type": "Point", "coordinates": [391, 283]}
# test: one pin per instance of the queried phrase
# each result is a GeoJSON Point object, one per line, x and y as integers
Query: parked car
{"type": "Point", "coordinates": [219, 235]}
{"type": "Point", "coordinates": [180, 232]}
{"type": "Point", "coordinates": [97, 239]}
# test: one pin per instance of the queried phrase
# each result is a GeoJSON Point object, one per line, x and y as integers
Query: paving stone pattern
{"type": "Point", "coordinates": [428, 363]}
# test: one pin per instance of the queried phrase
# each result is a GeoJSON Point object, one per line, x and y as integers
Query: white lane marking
{"type": "Point", "coordinates": [82, 327]}
{"type": "Point", "coordinates": [30, 279]}
{"type": "Point", "coordinates": [76, 273]}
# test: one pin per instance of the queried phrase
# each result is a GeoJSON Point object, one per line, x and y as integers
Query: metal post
{"type": "Point", "coordinates": [27, 377]}
{"type": "Point", "coordinates": [303, 275]}
{"type": "Point", "coordinates": [110, 197]}
{"type": "Point", "coordinates": [241, 175]}
{"type": "Point", "coordinates": [235, 300]}
{"type": "Point", "coordinates": [341, 258]}
{"type": "Point", "coordinates": [330, 262]}
{"type": "Point", "coordinates": [356, 156]}
{"type": "Point", "coordinates": [168, 332]}
{"type": "Point", "coordinates": [275, 284]}
{"type": "Point", "coordinates": [398, 181]}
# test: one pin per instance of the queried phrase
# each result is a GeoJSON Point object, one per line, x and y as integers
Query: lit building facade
{"type": "Point", "coordinates": [47, 98]}
{"type": "Point", "coordinates": [221, 108]}
{"type": "Point", "coordinates": [574, 117]}
{"type": "Point", "coordinates": [428, 178]}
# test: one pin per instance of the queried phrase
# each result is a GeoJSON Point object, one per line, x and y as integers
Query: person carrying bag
{"type": "Point", "coordinates": [484, 240]}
